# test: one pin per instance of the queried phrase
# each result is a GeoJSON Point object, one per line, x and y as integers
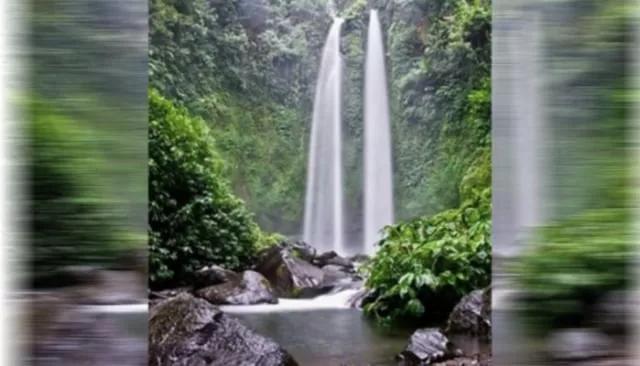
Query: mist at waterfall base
{"type": "Point", "coordinates": [324, 224]}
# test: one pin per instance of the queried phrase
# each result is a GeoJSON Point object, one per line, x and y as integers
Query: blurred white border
{"type": "Point", "coordinates": [12, 18]}
{"type": "Point", "coordinates": [5, 66]}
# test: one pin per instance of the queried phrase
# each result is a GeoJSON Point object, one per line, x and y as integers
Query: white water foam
{"type": "Point", "coordinates": [339, 300]}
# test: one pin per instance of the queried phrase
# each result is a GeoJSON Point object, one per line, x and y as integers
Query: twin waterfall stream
{"type": "Point", "coordinates": [324, 210]}
{"type": "Point", "coordinates": [324, 218]}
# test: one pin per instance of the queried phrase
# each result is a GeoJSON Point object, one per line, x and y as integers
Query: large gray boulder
{"type": "Point", "coordinates": [337, 278]}
{"type": "Point", "coordinates": [427, 346]}
{"type": "Point", "coordinates": [472, 315]}
{"type": "Point", "coordinates": [301, 250]}
{"type": "Point", "coordinates": [290, 275]}
{"type": "Point", "coordinates": [332, 258]}
{"type": "Point", "coordinates": [213, 275]}
{"type": "Point", "coordinates": [187, 331]}
{"type": "Point", "coordinates": [252, 288]}
{"type": "Point", "coordinates": [156, 297]}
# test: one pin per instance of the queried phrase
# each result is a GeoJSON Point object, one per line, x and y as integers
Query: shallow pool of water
{"type": "Point", "coordinates": [330, 337]}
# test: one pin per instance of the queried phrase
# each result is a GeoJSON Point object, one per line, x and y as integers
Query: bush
{"type": "Point", "coordinates": [426, 265]}
{"type": "Point", "coordinates": [572, 264]}
{"type": "Point", "coordinates": [72, 221]}
{"type": "Point", "coordinates": [193, 217]}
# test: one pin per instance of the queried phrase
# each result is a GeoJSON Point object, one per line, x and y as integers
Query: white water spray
{"type": "Point", "coordinates": [323, 217]}
{"type": "Point", "coordinates": [378, 178]}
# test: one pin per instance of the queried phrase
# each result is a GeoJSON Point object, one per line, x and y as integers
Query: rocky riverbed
{"type": "Point", "coordinates": [187, 324]}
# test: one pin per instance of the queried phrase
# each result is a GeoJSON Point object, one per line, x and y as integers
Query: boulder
{"type": "Point", "coordinates": [302, 250]}
{"type": "Point", "coordinates": [337, 278]}
{"type": "Point", "coordinates": [189, 331]}
{"type": "Point", "coordinates": [427, 346]}
{"type": "Point", "coordinates": [321, 259]}
{"type": "Point", "coordinates": [359, 258]}
{"type": "Point", "coordinates": [251, 288]}
{"type": "Point", "coordinates": [290, 275]}
{"type": "Point", "coordinates": [333, 273]}
{"type": "Point", "coordinates": [579, 344]}
{"type": "Point", "coordinates": [213, 275]}
{"type": "Point", "coordinates": [340, 261]}
{"type": "Point", "coordinates": [156, 297]}
{"type": "Point", "coordinates": [332, 258]}
{"type": "Point", "coordinates": [472, 315]}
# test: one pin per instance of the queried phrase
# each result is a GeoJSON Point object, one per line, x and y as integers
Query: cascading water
{"type": "Point", "coordinates": [323, 217]}
{"type": "Point", "coordinates": [378, 178]}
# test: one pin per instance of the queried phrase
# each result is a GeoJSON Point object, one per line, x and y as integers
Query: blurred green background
{"type": "Point", "coordinates": [86, 136]}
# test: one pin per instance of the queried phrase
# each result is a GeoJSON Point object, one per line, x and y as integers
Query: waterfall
{"type": "Point", "coordinates": [378, 184]}
{"type": "Point", "coordinates": [323, 217]}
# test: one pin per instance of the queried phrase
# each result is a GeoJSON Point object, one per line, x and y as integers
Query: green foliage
{"type": "Point", "coordinates": [478, 176]}
{"type": "Point", "coordinates": [441, 104]}
{"type": "Point", "coordinates": [440, 66]}
{"type": "Point", "coordinates": [194, 220]}
{"type": "Point", "coordinates": [423, 266]}
{"type": "Point", "coordinates": [267, 240]}
{"type": "Point", "coordinates": [72, 217]}
{"type": "Point", "coordinates": [573, 263]}
{"type": "Point", "coordinates": [248, 69]}
{"type": "Point", "coordinates": [248, 133]}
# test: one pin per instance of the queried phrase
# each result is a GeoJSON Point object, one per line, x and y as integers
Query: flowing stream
{"type": "Point", "coordinates": [378, 178]}
{"type": "Point", "coordinates": [323, 217]}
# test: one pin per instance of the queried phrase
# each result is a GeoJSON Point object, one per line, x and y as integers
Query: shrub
{"type": "Point", "coordinates": [193, 217]}
{"type": "Point", "coordinates": [424, 266]}
{"type": "Point", "coordinates": [72, 221]}
{"type": "Point", "coordinates": [572, 264]}
{"type": "Point", "coordinates": [267, 240]}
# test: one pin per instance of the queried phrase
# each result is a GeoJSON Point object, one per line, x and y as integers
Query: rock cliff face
{"type": "Point", "coordinates": [185, 330]}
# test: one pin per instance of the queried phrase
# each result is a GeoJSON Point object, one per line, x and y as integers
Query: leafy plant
{"type": "Point", "coordinates": [425, 265]}
{"type": "Point", "coordinates": [194, 219]}
{"type": "Point", "coordinates": [267, 240]}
